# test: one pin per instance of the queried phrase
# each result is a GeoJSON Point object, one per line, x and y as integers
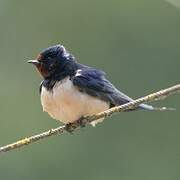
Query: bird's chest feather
{"type": "Point", "coordinates": [67, 104]}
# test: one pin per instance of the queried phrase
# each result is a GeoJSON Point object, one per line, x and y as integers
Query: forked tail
{"type": "Point", "coordinates": [151, 108]}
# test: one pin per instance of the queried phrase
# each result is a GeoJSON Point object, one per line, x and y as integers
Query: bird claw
{"type": "Point", "coordinates": [71, 126]}
{"type": "Point", "coordinates": [82, 122]}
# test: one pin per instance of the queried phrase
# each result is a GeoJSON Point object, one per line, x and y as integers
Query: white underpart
{"type": "Point", "coordinates": [67, 104]}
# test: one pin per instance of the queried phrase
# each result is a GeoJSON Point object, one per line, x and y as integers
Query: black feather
{"type": "Point", "coordinates": [93, 82]}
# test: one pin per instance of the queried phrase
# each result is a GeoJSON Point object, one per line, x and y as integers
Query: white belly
{"type": "Point", "coordinates": [67, 104]}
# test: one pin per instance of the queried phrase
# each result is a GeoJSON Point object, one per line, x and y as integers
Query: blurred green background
{"type": "Point", "coordinates": [137, 43]}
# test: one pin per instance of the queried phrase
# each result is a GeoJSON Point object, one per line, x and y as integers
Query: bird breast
{"type": "Point", "coordinates": [67, 104]}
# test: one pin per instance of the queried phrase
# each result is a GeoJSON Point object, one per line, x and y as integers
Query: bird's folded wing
{"type": "Point", "coordinates": [94, 83]}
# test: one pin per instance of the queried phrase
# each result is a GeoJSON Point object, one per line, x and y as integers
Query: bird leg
{"type": "Point", "coordinates": [70, 127]}
{"type": "Point", "coordinates": [81, 122]}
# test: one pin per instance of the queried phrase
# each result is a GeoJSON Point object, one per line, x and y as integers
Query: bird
{"type": "Point", "coordinates": [70, 90]}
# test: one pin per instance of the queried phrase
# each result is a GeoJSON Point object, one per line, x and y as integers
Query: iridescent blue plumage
{"type": "Point", "coordinates": [70, 90]}
{"type": "Point", "coordinates": [89, 80]}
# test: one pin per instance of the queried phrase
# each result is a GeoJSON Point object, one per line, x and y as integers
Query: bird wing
{"type": "Point", "coordinates": [94, 83]}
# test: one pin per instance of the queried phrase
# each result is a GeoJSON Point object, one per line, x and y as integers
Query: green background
{"type": "Point", "coordinates": [137, 43]}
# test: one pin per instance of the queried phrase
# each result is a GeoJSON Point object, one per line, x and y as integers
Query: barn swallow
{"type": "Point", "coordinates": [71, 90]}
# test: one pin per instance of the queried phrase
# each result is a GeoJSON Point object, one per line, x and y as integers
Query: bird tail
{"type": "Point", "coordinates": [151, 108]}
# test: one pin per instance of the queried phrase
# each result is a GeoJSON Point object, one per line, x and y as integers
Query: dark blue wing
{"type": "Point", "coordinates": [94, 83]}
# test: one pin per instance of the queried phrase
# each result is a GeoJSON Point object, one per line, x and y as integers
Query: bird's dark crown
{"type": "Point", "coordinates": [52, 52]}
{"type": "Point", "coordinates": [55, 61]}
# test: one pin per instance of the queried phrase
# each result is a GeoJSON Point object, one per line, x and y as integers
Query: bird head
{"type": "Point", "coordinates": [51, 60]}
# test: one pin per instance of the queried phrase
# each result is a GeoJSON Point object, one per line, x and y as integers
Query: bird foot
{"type": "Point", "coordinates": [70, 127]}
{"type": "Point", "coordinates": [82, 122]}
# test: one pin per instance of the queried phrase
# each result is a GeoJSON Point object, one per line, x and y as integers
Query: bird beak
{"type": "Point", "coordinates": [34, 61]}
